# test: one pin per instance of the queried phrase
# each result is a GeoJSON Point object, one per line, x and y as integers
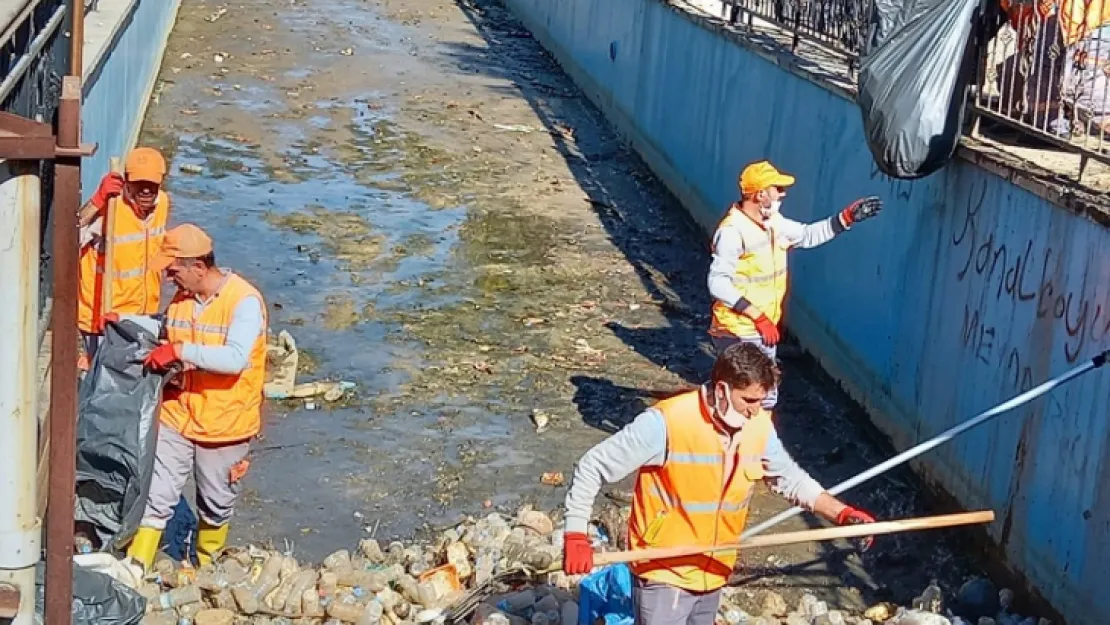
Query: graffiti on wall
{"type": "Point", "coordinates": [1011, 277]}
{"type": "Point", "coordinates": [1027, 275]}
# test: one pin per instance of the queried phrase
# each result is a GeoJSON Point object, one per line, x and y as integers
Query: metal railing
{"type": "Point", "coordinates": [836, 24]}
{"type": "Point", "coordinates": [34, 53]}
{"type": "Point", "coordinates": [1050, 77]}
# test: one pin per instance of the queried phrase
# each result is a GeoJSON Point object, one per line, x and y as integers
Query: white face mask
{"type": "Point", "coordinates": [731, 416]}
{"type": "Point", "coordinates": [772, 210]}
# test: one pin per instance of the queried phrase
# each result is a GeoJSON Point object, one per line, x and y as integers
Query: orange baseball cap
{"type": "Point", "coordinates": [145, 164]}
{"type": "Point", "coordinates": [762, 175]}
{"type": "Point", "coordinates": [184, 241]}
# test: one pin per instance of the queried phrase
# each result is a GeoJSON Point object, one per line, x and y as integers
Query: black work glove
{"type": "Point", "coordinates": [861, 209]}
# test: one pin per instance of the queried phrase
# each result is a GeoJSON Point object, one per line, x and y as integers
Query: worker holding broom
{"type": "Point", "coordinates": [140, 210]}
{"type": "Point", "coordinates": [747, 278]}
{"type": "Point", "coordinates": [698, 455]}
{"type": "Point", "coordinates": [215, 335]}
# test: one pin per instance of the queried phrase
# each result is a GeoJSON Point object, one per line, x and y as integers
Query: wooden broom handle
{"type": "Point", "coordinates": [106, 233]}
{"type": "Point", "coordinates": [789, 538]}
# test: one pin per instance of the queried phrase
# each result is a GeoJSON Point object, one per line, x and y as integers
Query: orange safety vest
{"type": "Point", "coordinates": [212, 407]}
{"type": "Point", "coordinates": [690, 501]}
{"type": "Point", "coordinates": [761, 275]}
{"type": "Point", "coordinates": [136, 288]}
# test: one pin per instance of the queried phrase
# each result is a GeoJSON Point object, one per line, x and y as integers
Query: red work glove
{"type": "Point", "coordinates": [105, 319]}
{"type": "Point", "coordinates": [161, 357]}
{"type": "Point", "coordinates": [861, 209]}
{"type": "Point", "coordinates": [110, 186]}
{"type": "Point", "coordinates": [578, 555]}
{"type": "Point", "coordinates": [855, 516]}
{"type": "Point", "coordinates": [767, 330]}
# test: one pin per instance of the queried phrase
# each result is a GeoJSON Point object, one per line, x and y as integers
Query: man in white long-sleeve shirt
{"type": "Point", "coordinates": [748, 277]}
{"type": "Point", "coordinates": [697, 456]}
{"type": "Point", "coordinates": [215, 331]}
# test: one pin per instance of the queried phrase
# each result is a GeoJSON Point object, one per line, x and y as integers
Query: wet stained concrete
{"type": "Point", "coordinates": [435, 213]}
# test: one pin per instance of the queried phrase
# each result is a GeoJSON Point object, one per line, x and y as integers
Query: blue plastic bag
{"type": "Point", "coordinates": [606, 594]}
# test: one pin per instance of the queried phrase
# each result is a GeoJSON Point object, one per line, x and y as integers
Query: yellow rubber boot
{"type": "Point", "coordinates": [144, 546]}
{"type": "Point", "coordinates": [210, 540]}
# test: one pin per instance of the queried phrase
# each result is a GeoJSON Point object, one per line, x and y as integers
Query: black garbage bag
{"type": "Point", "coordinates": [913, 80]}
{"type": "Point", "coordinates": [117, 428]}
{"type": "Point", "coordinates": [97, 599]}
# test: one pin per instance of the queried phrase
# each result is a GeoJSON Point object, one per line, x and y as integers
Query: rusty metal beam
{"type": "Point", "coordinates": [77, 39]}
{"type": "Point", "coordinates": [22, 139]}
{"type": "Point", "coordinates": [63, 381]}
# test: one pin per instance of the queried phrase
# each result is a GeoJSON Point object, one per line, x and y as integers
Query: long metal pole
{"type": "Point", "coordinates": [63, 381]}
{"type": "Point", "coordinates": [20, 526]}
{"type": "Point", "coordinates": [77, 40]}
{"type": "Point", "coordinates": [944, 437]}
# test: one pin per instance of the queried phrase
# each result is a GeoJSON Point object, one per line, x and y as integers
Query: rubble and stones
{"type": "Point", "coordinates": [493, 570]}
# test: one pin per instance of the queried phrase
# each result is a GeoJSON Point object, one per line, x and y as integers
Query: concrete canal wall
{"type": "Point", "coordinates": [124, 43]}
{"type": "Point", "coordinates": [969, 289]}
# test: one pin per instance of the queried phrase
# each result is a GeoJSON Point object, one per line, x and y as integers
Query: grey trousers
{"type": "Point", "coordinates": [720, 343]}
{"type": "Point", "coordinates": [662, 604]}
{"type": "Point", "coordinates": [175, 459]}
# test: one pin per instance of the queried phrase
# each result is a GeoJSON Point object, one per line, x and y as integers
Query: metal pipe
{"type": "Point", "coordinates": [944, 437]}
{"type": "Point", "coordinates": [63, 377]}
{"type": "Point", "coordinates": [20, 526]}
{"type": "Point", "coordinates": [77, 38]}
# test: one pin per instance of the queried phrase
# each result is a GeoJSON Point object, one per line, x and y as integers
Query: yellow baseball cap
{"type": "Point", "coordinates": [145, 164]}
{"type": "Point", "coordinates": [762, 175]}
{"type": "Point", "coordinates": [184, 241]}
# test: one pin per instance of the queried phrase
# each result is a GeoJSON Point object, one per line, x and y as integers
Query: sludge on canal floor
{"type": "Point", "coordinates": [437, 214]}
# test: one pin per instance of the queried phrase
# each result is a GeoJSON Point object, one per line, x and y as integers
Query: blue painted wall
{"type": "Point", "coordinates": [117, 89]}
{"type": "Point", "coordinates": [966, 291]}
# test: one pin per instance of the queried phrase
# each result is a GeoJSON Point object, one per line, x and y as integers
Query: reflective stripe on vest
{"type": "Point", "coordinates": [687, 501]}
{"type": "Point", "coordinates": [761, 274]}
{"type": "Point", "coordinates": [136, 289]}
{"type": "Point", "coordinates": [215, 407]}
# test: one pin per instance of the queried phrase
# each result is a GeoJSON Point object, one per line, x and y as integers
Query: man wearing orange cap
{"type": "Point", "coordinates": [215, 333]}
{"type": "Point", "coordinates": [136, 231]}
{"type": "Point", "coordinates": [747, 278]}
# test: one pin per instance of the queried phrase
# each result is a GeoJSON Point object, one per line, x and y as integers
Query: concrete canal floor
{"type": "Point", "coordinates": [435, 213]}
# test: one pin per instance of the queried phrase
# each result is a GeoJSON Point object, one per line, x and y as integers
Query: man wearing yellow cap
{"type": "Point", "coordinates": [215, 332]}
{"type": "Point", "coordinates": [136, 233]}
{"type": "Point", "coordinates": [747, 278]}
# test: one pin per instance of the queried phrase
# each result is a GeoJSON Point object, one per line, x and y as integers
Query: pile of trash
{"type": "Point", "coordinates": [493, 571]}
{"type": "Point", "coordinates": [977, 602]}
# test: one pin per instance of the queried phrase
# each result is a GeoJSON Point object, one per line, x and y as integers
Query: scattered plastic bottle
{"type": "Point", "coordinates": [177, 597]}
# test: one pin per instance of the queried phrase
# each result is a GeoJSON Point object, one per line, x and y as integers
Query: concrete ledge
{"type": "Point", "coordinates": [828, 70]}
{"type": "Point", "coordinates": [125, 41]}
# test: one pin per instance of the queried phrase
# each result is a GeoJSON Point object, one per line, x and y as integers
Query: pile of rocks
{"type": "Point", "coordinates": [495, 570]}
{"type": "Point", "coordinates": [977, 602]}
{"type": "Point", "coordinates": [392, 585]}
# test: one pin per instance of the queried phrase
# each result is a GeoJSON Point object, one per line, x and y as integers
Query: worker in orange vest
{"type": "Point", "coordinates": [137, 229]}
{"type": "Point", "coordinates": [215, 334]}
{"type": "Point", "coordinates": [748, 277]}
{"type": "Point", "coordinates": [698, 456]}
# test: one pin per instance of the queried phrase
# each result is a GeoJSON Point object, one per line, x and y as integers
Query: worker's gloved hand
{"type": "Point", "coordinates": [767, 330]}
{"type": "Point", "coordinates": [578, 555]}
{"type": "Point", "coordinates": [105, 319]}
{"type": "Point", "coordinates": [855, 516]}
{"type": "Point", "coordinates": [161, 357]}
{"type": "Point", "coordinates": [110, 186]}
{"type": "Point", "coordinates": [861, 209]}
